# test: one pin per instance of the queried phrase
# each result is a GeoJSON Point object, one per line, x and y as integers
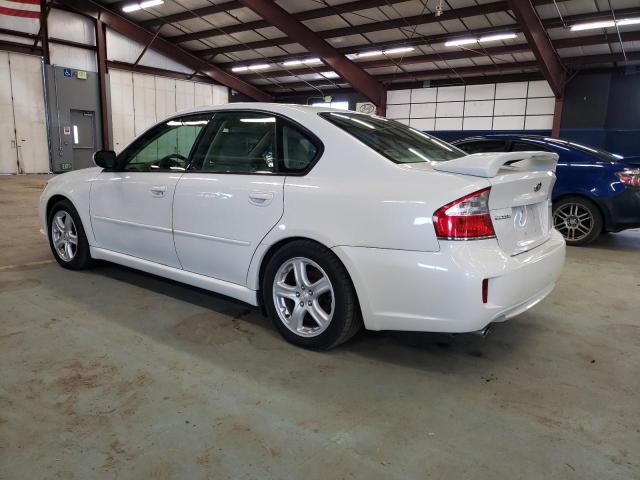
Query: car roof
{"type": "Point", "coordinates": [282, 108]}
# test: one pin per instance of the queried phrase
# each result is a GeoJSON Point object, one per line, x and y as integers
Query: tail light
{"type": "Point", "coordinates": [465, 218]}
{"type": "Point", "coordinates": [631, 178]}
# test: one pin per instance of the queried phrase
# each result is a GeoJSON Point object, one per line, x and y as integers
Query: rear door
{"type": "Point", "coordinates": [131, 209]}
{"type": "Point", "coordinates": [232, 195]}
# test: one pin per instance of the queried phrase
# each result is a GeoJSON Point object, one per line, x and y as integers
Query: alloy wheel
{"type": "Point", "coordinates": [574, 221]}
{"type": "Point", "coordinates": [303, 297]}
{"type": "Point", "coordinates": [64, 235]}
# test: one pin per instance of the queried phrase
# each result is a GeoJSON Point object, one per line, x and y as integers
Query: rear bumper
{"type": "Point", "coordinates": [442, 291]}
{"type": "Point", "coordinates": [622, 211]}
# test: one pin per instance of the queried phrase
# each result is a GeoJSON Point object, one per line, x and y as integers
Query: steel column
{"type": "Point", "coordinates": [101, 56]}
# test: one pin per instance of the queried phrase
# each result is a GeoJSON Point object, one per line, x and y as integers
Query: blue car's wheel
{"type": "Point", "coordinates": [578, 220]}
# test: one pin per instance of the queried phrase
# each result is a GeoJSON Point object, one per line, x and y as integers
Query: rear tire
{"type": "Point", "coordinates": [578, 220]}
{"type": "Point", "coordinates": [67, 238]}
{"type": "Point", "coordinates": [320, 319]}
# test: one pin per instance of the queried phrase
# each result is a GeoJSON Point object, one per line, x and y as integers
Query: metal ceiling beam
{"type": "Point", "coordinates": [356, 76]}
{"type": "Point", "coordinates": [536, 34]}
{"type": "Point", "coordinates": [348, 7]}
{"type": "Point", "coordinates": [502, 68]}
{"type": "Point", "coordinates": [189, 14]}
{"type": "Point", "coordinates": [398, 23]}
{"type": "Point", "coordinates": [142, 35]}
{"type": "Point", "coordinates": [461, 54]}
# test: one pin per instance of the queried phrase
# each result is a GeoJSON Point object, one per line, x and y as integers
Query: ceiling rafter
{"type": "Point", "coordinates": [441, 38]}
{"type": "Point", "coordinates": [348, 7]}
{"type": "Point", "coordinates": [536, 34]}
{"type": "Point", "coordinates": [469, 53]}
{"type": "Point", "coordinates": [356, 76]}
{"type": "Point", "coordinates": [424, 19]}
{"type": "Point", "coordinates": [141, 35]}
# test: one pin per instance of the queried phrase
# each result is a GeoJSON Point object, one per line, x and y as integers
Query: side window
{"type": "Point", "coordinates": [238, 142]}
{"type": "Point", "coordinates": [165, 147]}
{"type": "Point", "coordinates": [526, 147]}
{"type": "Point", "coordinates": [297, 150]}
{"type": "Point", "coordinates": [482, 146]}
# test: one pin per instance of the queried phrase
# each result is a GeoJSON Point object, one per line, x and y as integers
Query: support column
{"type": "Point", "coordinates": [557, 117]}
{"type": "Point", "coordinates": [101, 44]}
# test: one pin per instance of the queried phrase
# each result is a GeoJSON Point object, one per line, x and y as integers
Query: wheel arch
{"type": "Point", "coordinates": [53, 200]}
{"type": "Point", "coordinates": [271, 251]}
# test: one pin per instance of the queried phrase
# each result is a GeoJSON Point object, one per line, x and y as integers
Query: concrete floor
{"type": "Point", "coordinates": [112, 373]}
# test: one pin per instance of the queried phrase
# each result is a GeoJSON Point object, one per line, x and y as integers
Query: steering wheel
{"type": "Point", "coordinates": [172, 160]}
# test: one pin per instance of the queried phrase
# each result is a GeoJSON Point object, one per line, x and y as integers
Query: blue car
{"type": "Point", "coordinates": [595, 191]}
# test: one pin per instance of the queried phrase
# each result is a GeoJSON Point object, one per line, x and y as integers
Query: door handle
{"type": "Point", "coordinates": [158, 190]}
{"type": "Point", "coordinates": [260, 198]}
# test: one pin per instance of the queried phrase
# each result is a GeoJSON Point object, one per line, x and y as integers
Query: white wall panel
{"type": "Point", "coordinates": [423, 123]}
{"type": "Point", "coordinates": [508, 123]}
{"type": "Point", "coordinates": [154, 59]}
{"type": "Point", "coordinates": [185, 95]}
{"type": "Point", "coordinates": [144, 102]}
{"type": "Point", "coordinates": [398, 96]}
{"type": "Point", "coordinates": [121, 48]}
{"type": "Point", "coordinates": [450, 94]}
{"type": "Point", "coordinates": [77, 58]}
{"type": "Point", "coordinates": [509, 107]}
{"type": "Point", "coordinates": [480, 92]}
{"type": "Point", "coordinates": [540, 88]}
{"type": "Point", "coordinates": [29, 111]}
{"type": "Point", "coordinates": [165, 97]}
{"type": "Point", "coordinates": [541, 106]}
{"type": "Point", "coordinates": [8, 152]}
{"type": "Point", "coordinates": [203, 94]}
{"type": "Point", "coordinates": [478, 108]}
{"type": "Point", "coordinates": [122, 113]}
{"type": "Point", "coordinates": [403, 120]}
{"type": "Point", "coordinates": [220, 95]}
{"type": "Point", "coordinates": [538, 122]}
{"type": "Point", "coordinates": [423, 110]}
{"type": "Point", "coordinates": [450, 109]}
{"type": "Point", "coordinates": [424, 95]}
{"type": "Point", "coordinates": [398, 111]}
{"type": "Point", "coordinates": [71, 26]}
{"type": "Point", "coordinates": [477, 123]}
{"type": "Point", "coordinates": [448, 124]}
{"type": "Point", "coordinates": [511, 90]}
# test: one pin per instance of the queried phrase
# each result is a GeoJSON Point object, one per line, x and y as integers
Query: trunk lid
{"type": "Point", "coordinates": [520, 198]}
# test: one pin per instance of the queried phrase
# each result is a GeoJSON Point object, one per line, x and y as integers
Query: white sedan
{"type": "Point", "coordinates": [328, 219]}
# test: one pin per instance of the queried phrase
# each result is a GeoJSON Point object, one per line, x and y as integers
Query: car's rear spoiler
{"type": "Point", "coordinates": [488, 164]}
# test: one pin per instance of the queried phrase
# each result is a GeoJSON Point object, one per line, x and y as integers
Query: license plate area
{"type": "Point", "coordinates": [530, 225]}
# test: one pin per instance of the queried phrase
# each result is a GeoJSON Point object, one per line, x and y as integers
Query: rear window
{"type": "Point", "coordinates": [600, 154]}
{"type": "Point", "coordinates": [393, 140]}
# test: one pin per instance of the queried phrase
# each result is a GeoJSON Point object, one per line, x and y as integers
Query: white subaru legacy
{"type": "Point", "coordinates": [330, 220]}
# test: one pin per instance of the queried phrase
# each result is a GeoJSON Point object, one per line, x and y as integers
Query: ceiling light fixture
{"type": "Point", "coordinates": [260, 66]}
{"type": "Point", "coordinates": [308, 61]}
{"type": "Point", "coordinates": [329, 74]}
{"type": "Point", "coordinates": [590, 25]}
{"type": "Point", "coordinates": [134, 7]}
{"type": "Point", "coordinates": [628, 21]}
{"type": "Point", "coordinates": [498, 36]}
{"type": "Point", "coordinates": [391, 51]}
{"type": "Point", "coordinates": [370, 53]}
{"type": "Point", "coordinates": [460, 41]}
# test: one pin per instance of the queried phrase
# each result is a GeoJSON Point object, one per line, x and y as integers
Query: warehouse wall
{"type": "Point", "coordinates": [488, 107]}
{"type": "Point", "coordinates": [601, 109]}
{"type": "Point", "coordinates": [138, 101]}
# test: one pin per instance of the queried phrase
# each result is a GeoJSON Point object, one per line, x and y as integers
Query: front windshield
{"type": "Point", "coordinates": [394, 140]}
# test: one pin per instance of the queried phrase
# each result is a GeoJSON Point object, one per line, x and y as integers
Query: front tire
{"type": "Point", "coordinates": [578, 220]}
{"type": "Point", "coordinates": [309, 296]}
{"type": "Point", "coordinates": [67, 238]}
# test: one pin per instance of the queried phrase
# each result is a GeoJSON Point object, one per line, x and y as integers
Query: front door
{"type": "Point", "coordinates": [131, 208]}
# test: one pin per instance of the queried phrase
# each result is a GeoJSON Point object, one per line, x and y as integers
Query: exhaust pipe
{"type": "Point", "coordinates": [483, 332]}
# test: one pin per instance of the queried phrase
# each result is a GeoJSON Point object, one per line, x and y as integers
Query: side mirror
{"type": "Point", "coordinates": [105, 159]}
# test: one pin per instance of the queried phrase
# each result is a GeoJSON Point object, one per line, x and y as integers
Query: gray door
{"type": "Point", "coordinates": [82, 138]}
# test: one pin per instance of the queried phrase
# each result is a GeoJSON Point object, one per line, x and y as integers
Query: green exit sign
{"type": "Point", "coordinates": [81, 74]}
{"type": "Point", "coordinates": [65, 166]}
